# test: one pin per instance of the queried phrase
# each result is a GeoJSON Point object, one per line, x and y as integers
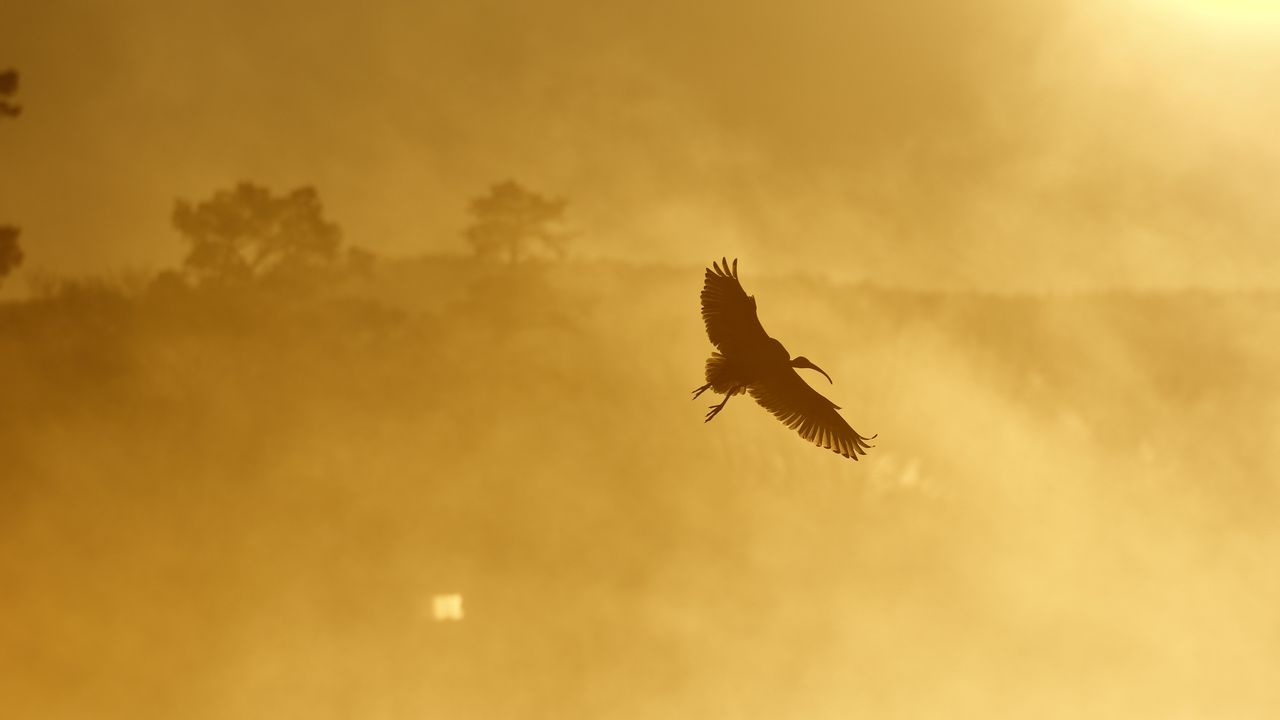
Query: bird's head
{"type": "Point", "coordinates": [803, 362]}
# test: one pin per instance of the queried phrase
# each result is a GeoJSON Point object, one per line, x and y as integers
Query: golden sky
{"type": "Point", "coordinates": [479, 489]}
{"type": "Point", "coordinates": [992, 144]}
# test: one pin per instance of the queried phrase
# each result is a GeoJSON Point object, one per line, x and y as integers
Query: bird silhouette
{"type": "Point", "coordinates": [747, 360]}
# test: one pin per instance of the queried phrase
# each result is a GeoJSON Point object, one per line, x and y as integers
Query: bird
{"type": "Point", "coordinates": [747, 361]}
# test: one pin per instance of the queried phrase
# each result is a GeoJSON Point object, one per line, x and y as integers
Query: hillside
{"type": "Point", "coordinates": [240, 504]}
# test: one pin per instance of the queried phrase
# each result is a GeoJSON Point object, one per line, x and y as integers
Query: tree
{"type": "Point", "coordinates": [10, 252]}
{"type": "Point", "coordinates": [248, 234]}
{"type": "Point", "coordinates": [8, 86]}
{"type": "Point", "coordinates": [510, 218]}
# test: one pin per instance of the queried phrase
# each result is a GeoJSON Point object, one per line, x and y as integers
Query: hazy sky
{"type": "Point", "coordinates": [992, 143]}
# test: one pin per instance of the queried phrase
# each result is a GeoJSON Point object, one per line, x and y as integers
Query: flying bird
{"type": "Point", "coordinates": [747, 360]}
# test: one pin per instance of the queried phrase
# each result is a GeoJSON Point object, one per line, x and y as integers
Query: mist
{"type": "Point", "coordinates": [348, 353]}
{"type": "Point", "coordinates": [227, 505]}
{"type": "Point", "coordinates": [997, 146]}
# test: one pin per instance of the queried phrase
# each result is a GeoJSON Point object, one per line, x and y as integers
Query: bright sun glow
{"type": "Point", "coordinates": [1235, 11]}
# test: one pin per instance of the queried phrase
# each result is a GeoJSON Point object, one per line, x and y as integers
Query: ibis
{"type": "Point", "coordinates": [747, 361]}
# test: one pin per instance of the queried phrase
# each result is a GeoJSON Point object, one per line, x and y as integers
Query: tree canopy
{"type": "Point", "coordinates": [510, 219]}
{"type": "Point", "coordinates": [10, 252]}
{"type": "Point", "coordinates": [8, 87]}
{"type": "Point", "coordinates": [249, 233]}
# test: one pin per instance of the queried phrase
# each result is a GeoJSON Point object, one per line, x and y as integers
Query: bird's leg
{"type": "Point", "coordinates": [715, 409]}
{"type": "Point", "coordinates": [700, 390]}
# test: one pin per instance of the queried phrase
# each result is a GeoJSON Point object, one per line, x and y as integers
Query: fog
{"type": "Point", "coordinates": [994, 145]}
{"type": "Point", "coordinates": [283, 434]}
{"type": "Point", "coordinates": [231, 505]}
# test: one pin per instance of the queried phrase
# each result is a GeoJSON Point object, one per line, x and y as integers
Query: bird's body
{"type": "Point", "coordinates": [747, 360]}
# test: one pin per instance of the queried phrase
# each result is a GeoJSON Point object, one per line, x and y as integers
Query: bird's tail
{"type": "Point", "coordinates": [721, 375]}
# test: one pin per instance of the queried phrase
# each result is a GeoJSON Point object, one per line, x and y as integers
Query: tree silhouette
{"type": "Point", "coordinates": [510, 218]}
{"type": "Point", "coordinates": [248, 234]}
{"type": "Point", "coordinates": [8, 86]}
{"type": "Point", "coordinates": [10, 252]}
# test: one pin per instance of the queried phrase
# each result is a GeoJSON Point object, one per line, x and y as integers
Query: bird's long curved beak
{"type": "Point", "coordinates": [824, 374]}
{"type": "Point", "coordinates": [803, 362]}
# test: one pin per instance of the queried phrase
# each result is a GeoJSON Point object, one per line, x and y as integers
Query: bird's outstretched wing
{"type": "Point", "coordinates": [800, 407]}
{"type": "Point", "coordinates": [727, 310]}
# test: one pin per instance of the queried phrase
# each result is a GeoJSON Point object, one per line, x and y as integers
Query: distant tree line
{"type": "Point", "coordinates": [250, 234]}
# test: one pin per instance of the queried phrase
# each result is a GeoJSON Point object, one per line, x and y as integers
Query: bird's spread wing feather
{"type": "Point", "coordinates": [800, 407]}
{"type": "Point", "coordinates": [727, 310]}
